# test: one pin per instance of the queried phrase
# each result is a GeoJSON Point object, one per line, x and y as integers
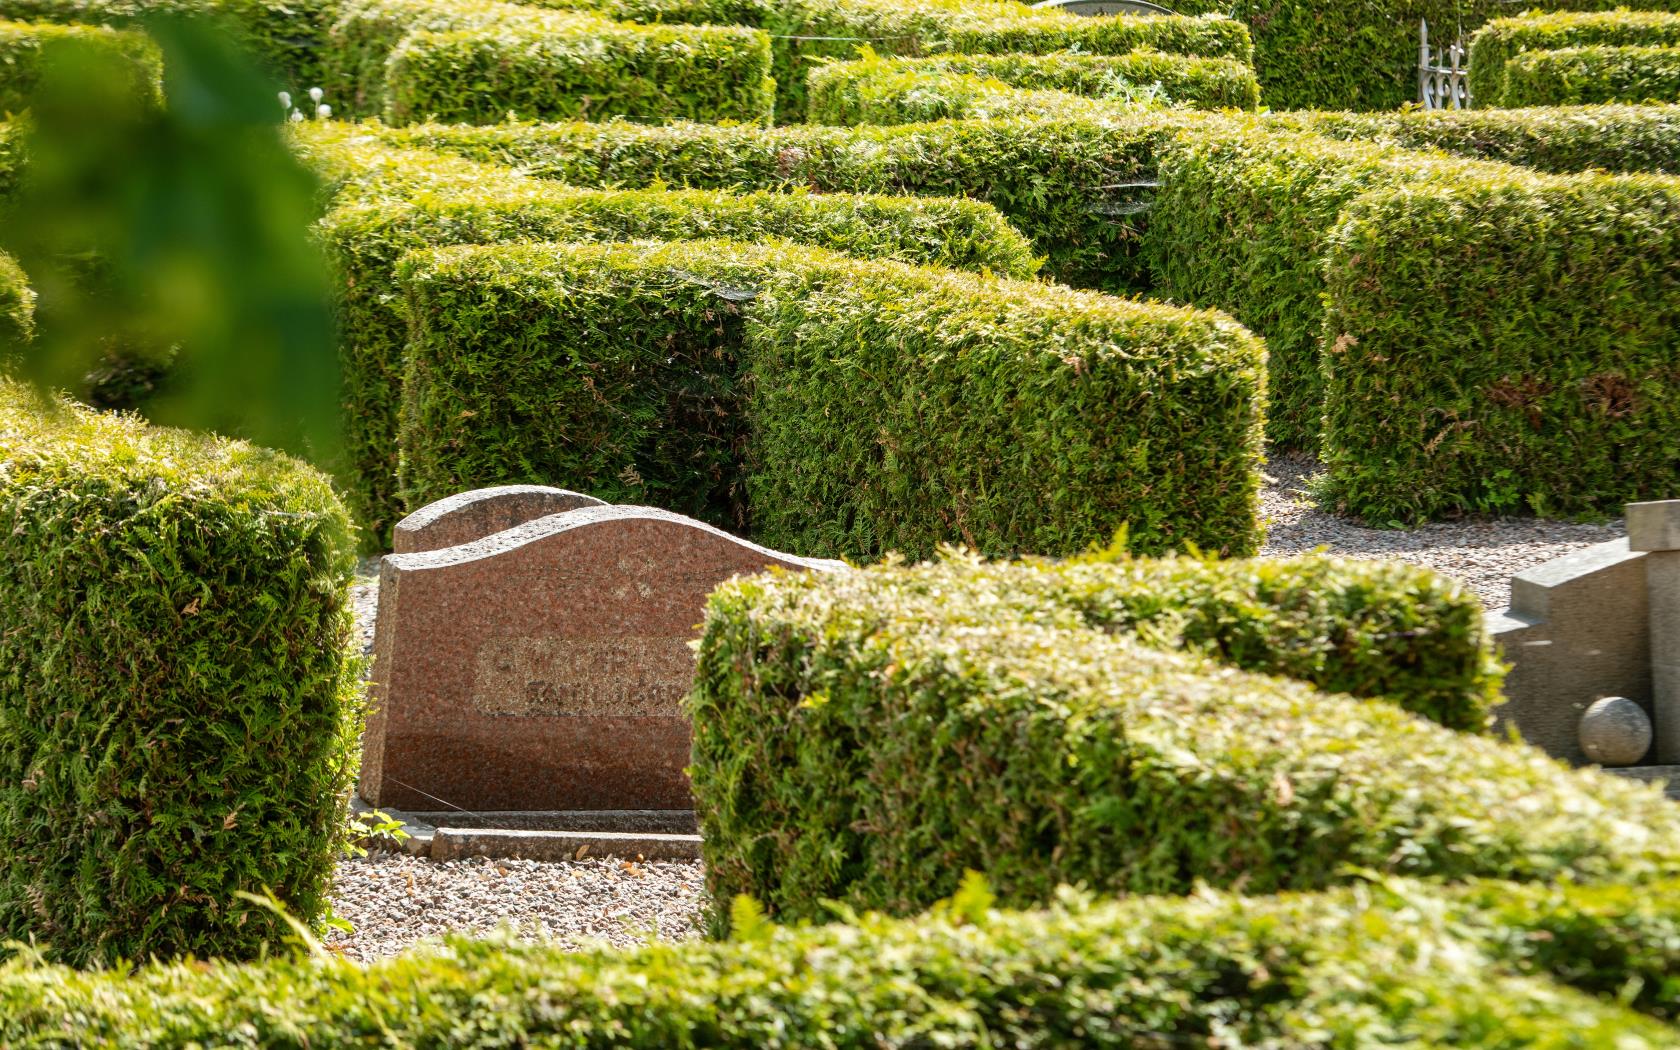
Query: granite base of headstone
{"type": "Point", "coordinates": [541, 667]}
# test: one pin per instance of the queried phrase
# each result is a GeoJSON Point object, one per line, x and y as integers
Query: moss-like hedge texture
{"type": "Point", "coordinates": [864, 737]}
{"type": "Point", "coordinates": [1503, 39]}
{"type": "Point", "coordinates": [838, 92]}
{"type": "Point", "coordinates": [1557, 139]}
{"type": "Point", "coordinates": [1555, 394]}
{"type": "Point", "coordinates": [479, 60]}
{"type": "Point", "coordinates": [1492, 966]}
{"type": "Point", "coordinates": [397, 200]}
{"type": "Point", "coordinates": [21, 45]}
{"type": "Point", "coordinates": [1070, 185]}
{"type": "Point", "coordinates": [177, 698]}
{"type": "Point", "coordinates": [1585, 75]}
{"type": "Point", "coordinates": [832, 406]}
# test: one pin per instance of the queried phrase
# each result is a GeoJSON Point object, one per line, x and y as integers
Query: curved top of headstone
{"type": "Point", "coordinates": [587, 519]}
{"type": "Point", "coordinates": [468, 516]}
{"type": "Point", "coordinates": [1105, 7]}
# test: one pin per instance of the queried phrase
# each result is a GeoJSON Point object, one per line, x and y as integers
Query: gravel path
{"type": "Point", "coordinates": [394, 899]}
{"type": "Point", "coordinates": [364, 599]}
{"type": "Point", "coordinates": [1484, 553]}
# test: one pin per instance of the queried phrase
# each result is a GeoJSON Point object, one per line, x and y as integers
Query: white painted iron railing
{"type": "Point", "coordinates": [1443, 73]}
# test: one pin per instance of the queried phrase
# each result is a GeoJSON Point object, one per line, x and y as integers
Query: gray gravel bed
{"type": "Point", "coordinates": [394, 899]}
{"type": "Point", "coordinates": [1483, 552]}
{"type": "Point", "coordinates": [364, 599]}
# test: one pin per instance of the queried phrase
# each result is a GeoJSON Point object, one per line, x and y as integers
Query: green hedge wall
{"type": "Point", "coordinates": [1196, 83]}
{"type": "Point", "coordinates": [177, 696]}
{"type": "Point", "coordinates": [1557, 139]}
{"type": "Point", "coordinates": [1585, 75]}
{"type": "Point", "coordinates": [478, 59]}
{"type": "Point", "coordinates": [1069, 185]}
{"type": "Point", "coordinates": [1538, 386]}
{"type": "Point", "coordinates": [1241, 223]}
{"type": "Point", "coordinates": [865, 736]}
{"type": "Point", "coordinates": [1359, 54]}
{"type": "Point", "coordinates": [287, 35]}
{"type": "Point", "coordinates": [1547, 383]}
{"type": "Point", "coordinates": [587, 69]}
{"type": "Point", "coordinates": [911, 96]}
{"type": "Point", "coordinates": [21, 47]}
{"type": "Point", "coordinates": [459, 202]}
{"type": "Point", "coordinates": [1493, 966]}
{"type": "Point", "coordinates": [807, 31]}
{"type": "Point", "coordinates": [832, 406]}
{"type": "Point", "coordinates": [1503, 39]}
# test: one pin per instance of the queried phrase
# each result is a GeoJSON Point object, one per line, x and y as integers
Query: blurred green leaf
{"type": "Point", "coordinates": [171, 242]}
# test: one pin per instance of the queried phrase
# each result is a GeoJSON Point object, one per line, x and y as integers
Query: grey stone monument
{"type": "Point", "coordinates": [1593, 639]}
{"type": "Point", "coordinates": [1654, 528]}
{"type": "Point", "coordinates": [1576, 631]}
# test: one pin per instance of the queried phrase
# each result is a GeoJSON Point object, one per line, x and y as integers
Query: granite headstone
{"type": "Point", "coordinates": [469, 516]}
{"type": "Point", "coordinates": [541, 667]}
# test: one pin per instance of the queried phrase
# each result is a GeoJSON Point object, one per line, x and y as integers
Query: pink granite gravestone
{"type": "Point", "coordinates": [541, 667]}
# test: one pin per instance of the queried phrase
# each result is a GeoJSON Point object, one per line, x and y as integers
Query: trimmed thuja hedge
{"type": "Point", "coordinates": [477, 60]}
{"type": "Point", "coordinates": [831, 405]}
{"type": "Point", "coordinates": [177, 699]}
{"type": "Point", "coordinates": [287, 35]}
{"type": "Point", "coordinates": [1496, 44]}
{"type": "Point", "coordinates": [1555, 393]}
{"type": "Point", "coordinates": [1069, 185]}
{"type": "Point", "coordinates": [583, 69]}
{"type": "Point", "coordinates": [1556, 139]}
{"type": "Point", "coordinates": [412, 200]}
{"type": "Point", "coordinates": [1020, 685]}
{"type": "Point", "coordinates": [1241, 223]}
{"type": "Point", "coordinates": [1543, 384]}
{"type": "Point", "coordinates": [1585, 75]}
{"type": "Point", "coordinates": [910, 95]}
{"type": "Point", "coordinates": [866, 736]}
{"type": "Point", "coordinates": [806, 31]}
{"type": "Point", "coordinates": [837, 91]}
{"type": "Point", "coordinates": [1491, 966]}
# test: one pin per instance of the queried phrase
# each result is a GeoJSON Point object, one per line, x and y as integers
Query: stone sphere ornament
{"type": "Point", "coordinates": [1615, 731]}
